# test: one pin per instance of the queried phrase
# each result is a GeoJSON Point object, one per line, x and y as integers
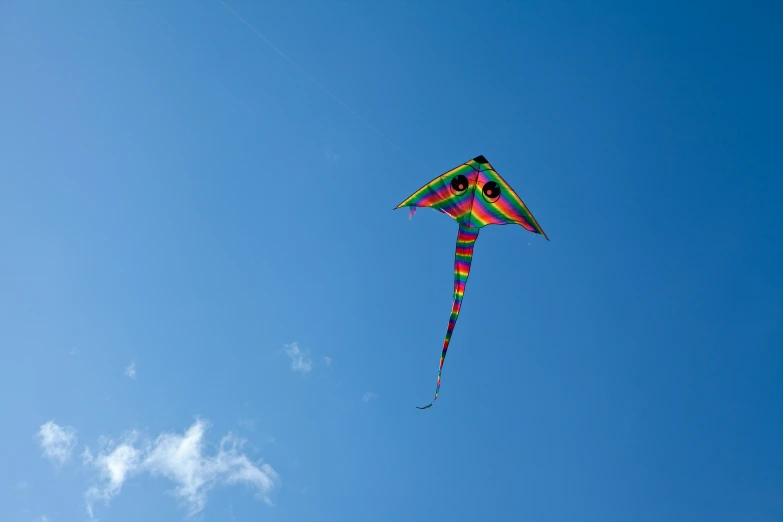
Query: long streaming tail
{"type": "Point", "coordinates": [466, 239]}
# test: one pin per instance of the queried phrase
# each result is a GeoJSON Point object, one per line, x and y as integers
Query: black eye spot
{"type": "Point", "coordinates": [459, 184]}
{"type": "Point", "coordinates": [491, 191]}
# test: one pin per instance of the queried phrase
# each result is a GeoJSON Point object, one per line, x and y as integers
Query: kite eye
{"type": "Point", "coordinates": [459, 184]}
{"type": "Point", "coordinates": [491, 191]}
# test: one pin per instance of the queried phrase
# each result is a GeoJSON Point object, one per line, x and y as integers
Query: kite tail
{"type": "Point", "coordinates": [466, 239]}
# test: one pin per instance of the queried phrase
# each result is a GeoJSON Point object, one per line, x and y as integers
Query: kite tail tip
{"type": "Point", "coordinates": [427, 406]}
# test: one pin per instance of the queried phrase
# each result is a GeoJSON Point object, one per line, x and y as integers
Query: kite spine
{"type": "Point", "coordinates": [466, 239]}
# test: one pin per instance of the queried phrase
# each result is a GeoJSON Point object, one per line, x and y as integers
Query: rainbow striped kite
{"type": "Point", "coordinates": [474, 195]}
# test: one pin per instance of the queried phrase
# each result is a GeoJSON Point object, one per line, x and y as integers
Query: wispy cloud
{"type": "Point", "coordinates": [181, 459]}
{"type": "Point", "coordinates": [367, 397]}
{"type": "Point", "coordinates": [300, 360]}
{"type": "Point", "coordinates": [57, 442]}
{"type": "Point", "coordinates": [130, 371]}
{"type": "Point", "coordinates": [247, 424]}
{"type": "Point", "coordinates": [42, 518]}
{"type": "Point", "coordinates": [74, 351]}
{"type": "Point", "coordinates": [114, 467]}
{"type": "Point", "coordinates": [327, 360]}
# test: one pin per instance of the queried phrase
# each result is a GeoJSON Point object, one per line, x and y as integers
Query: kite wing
{"type": "Point", "coordinates": [496, 203]}
{"type": "Point", "coordinates": [450, 193]}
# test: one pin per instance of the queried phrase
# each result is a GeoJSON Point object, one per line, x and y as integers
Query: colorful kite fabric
{"type": "Point", "coordinates": [454, 193]}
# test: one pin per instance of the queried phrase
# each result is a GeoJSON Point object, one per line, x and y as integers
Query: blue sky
{"type": "Point", "coordinates": [209, 310]}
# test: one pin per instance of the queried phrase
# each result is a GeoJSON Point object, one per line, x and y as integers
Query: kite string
{"type": "Point", "coordinates": [316, 82]}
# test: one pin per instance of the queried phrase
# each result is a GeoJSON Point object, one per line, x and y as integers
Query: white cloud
{"type": "Point", "coordinates": [130, 371]}
{"type": "Point", "coordinates": [57, 442]}
{"type": "Point", "coordinates": [181, 459]}
{"type": "Point", "coordinates": [42, 518]}
{"type": "Point", "coordinates": [327, 360]}
{"type": "Point", "coordinates": [300, 360]}
{"type": "Point", "coordinates": [367, 397]}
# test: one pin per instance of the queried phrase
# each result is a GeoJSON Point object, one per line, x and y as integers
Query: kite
{"type": "Point", "coordinates": [475, 196]}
